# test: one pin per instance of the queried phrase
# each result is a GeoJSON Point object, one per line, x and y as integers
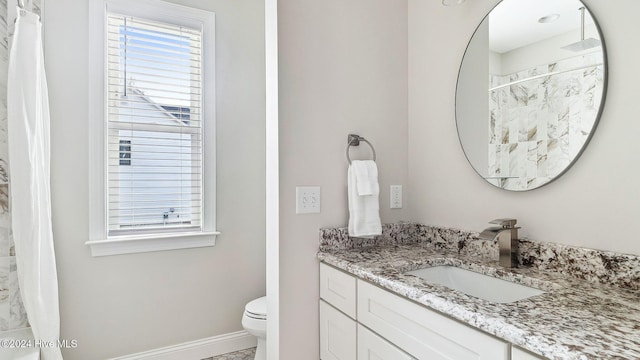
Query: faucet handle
{"type": "Point", "coordinates": [506, 223]}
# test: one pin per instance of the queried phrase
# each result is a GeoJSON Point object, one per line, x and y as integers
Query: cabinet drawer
{"type": "Point", "coordinates": [421, 332]}
{"type": "Point", "coordinates": [337, 334]}
{"type": "Point", "coordinates": [517, 354]}
{"type": "Point", "coordinates": [338, 289]}
{"type": "Point", "coordinates": [373, 347]}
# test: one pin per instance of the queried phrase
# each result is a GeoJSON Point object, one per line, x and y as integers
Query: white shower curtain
{"type": "Point", "coordinates": [28, 112]}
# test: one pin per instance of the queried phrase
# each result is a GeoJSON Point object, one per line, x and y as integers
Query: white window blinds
{"type": "Point", "coordinates": [154, 126]}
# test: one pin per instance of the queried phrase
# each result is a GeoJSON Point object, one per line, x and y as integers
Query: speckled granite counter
{"type": "Point", "coordinates": [573, 319]}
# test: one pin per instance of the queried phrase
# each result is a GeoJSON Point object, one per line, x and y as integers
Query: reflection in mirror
{"type": "Point", "coordinates": [530, 91]}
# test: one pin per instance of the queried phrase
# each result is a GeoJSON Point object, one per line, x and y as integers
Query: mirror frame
{"type": "Point", "coordinates": [605, 82]}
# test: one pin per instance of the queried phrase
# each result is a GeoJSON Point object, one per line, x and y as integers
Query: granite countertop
{"type": "Point", "coordinates": [573, 319]}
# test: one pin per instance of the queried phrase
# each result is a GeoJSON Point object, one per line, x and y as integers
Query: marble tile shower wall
{"type": "Point", "coordinates": [536, 127]}
{"type": "Point", "coordinates": [12, 313]}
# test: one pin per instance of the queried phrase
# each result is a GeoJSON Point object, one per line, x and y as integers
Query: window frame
{"type": "Point", "coordinates": [99, 242]}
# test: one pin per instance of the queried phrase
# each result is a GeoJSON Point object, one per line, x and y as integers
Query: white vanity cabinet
{"type": "Point", "coordinates": [338, 289]}
{"type": "Point", "coordinates": [373, 347]}
{"type": "Point", "coordinates": [519, 354]}
{"type": "Point", "coordinates": [421, 332]}
{"type": "Point", "coordinates": [338, 334]}
{"type": "Point", "coordinates": [361, 321]}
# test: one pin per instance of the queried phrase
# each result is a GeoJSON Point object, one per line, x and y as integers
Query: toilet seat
{"type": "Point", "coordinates": [257, 309]}
{"type": "Point", "coordinates": [254, 321]}
{"type": "Point", "coordinates": [255, 316]}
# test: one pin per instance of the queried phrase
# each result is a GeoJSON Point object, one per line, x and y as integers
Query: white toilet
{"type": "Point", "coordinates": [254, 321]}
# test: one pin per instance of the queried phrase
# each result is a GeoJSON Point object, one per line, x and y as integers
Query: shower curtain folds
{"type": "Point", "coordinates": [28, 120]}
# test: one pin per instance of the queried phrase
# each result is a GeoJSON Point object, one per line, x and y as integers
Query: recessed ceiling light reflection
{"type": "Point", "coordinates": [452, 2]}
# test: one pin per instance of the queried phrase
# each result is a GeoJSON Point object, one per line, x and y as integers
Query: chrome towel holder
{"type": "Point", "coordinates": [354, 140]}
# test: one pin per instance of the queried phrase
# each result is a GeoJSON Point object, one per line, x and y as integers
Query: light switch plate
{"type": "Point", "coordinates": [395, 200]}
{"type": "Point", "coordinates": [307, 199]}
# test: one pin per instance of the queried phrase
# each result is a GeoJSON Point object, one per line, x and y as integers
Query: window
{"type": "Point", "coordinates": [153, 105]}
{"type": "Point", "coordinates": [157, 133]}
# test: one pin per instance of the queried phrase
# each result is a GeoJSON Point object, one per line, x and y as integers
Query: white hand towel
{"type": "Point", "coordinates": [364, 214]}
{"type": "Point", "coordinates": [366, 173]}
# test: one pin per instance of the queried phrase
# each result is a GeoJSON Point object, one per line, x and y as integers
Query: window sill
{"type": "Point", "coordinates": [132, 244]}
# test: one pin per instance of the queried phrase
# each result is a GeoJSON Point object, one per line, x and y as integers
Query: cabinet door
{"type": "Point", "coordinates": [517, 354]}
{"type": "Point", "coordinates": [373, 347]}
{"type": "Point", "coordinates": [421, 332]}
{"type": "Point", "coordinates": [337, 334]}
{"type": "Point", "coordinates": [338, 289]}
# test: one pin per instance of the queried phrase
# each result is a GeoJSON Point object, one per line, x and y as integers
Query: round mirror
{"type": "Point", "coordinates": [530, 91]}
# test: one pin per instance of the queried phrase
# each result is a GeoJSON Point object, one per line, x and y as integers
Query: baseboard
{"type": "Point", "coordinates": [198, 349]}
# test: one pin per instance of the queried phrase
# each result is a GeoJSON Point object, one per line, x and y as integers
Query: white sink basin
{"type": "Point", "coordinates": [475, 284]}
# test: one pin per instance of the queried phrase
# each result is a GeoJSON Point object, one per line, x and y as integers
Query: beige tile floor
{"type": "Point", "coordinates": [246, 354]}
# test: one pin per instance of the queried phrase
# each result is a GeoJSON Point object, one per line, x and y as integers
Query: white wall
{"type": "Point", "coordinates": [343, 69]}
{"type": "Point", "coordinates": [595, 204]}
{"type": "Point", "coordinates": [124, 304]}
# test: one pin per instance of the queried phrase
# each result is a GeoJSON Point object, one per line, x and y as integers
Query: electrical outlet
{"type": "Point", "coordinates": [307, 199]}
{"type": "Point", "coordinates": [395, 200]}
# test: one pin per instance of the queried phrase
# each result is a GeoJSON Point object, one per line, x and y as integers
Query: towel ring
{"type": "Point", "coordinates": [354, 140]}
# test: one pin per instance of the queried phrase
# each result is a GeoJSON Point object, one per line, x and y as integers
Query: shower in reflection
{"type": "Point", "coordinates": [583, 44]}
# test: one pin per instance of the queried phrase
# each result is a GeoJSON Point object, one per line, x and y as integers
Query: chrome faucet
{"type": "Point", "coordinates": [507, 235]}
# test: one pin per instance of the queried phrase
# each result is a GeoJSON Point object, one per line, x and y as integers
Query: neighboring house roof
{"type": "Point", "coordinates": [177, 113]}
{"type": "Point", "coordinates": [182, 113]}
